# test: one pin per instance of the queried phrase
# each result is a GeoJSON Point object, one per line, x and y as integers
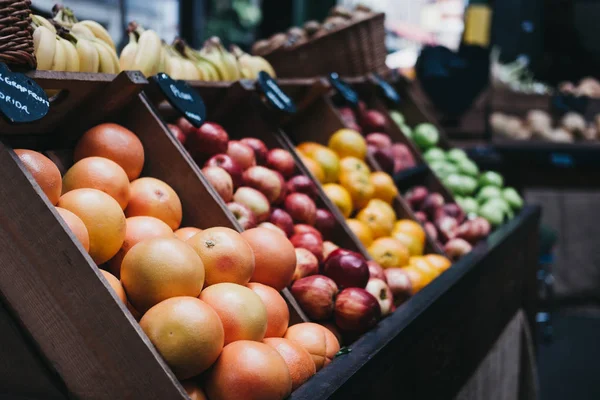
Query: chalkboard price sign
{"type": "Point", "coordinates": [274, 94]}
{"type": "Point", "coordinates": [343, 89]}
{"type": "Point", "coordinates": [387, 90]}
{"type": "Point", "coordinates": [21, 99]}
{"type": "Point", "coordinates": [183, 98]}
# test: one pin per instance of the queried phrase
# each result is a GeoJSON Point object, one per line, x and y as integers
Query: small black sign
{"type": "Point", "coordinates": [347, 93]}
{"type": "Point", "coordinates": [183, 98]}
{"type": "Point", "coordinates": [21, 99]}
{"type": "Point", "coordinates": [387, 90]}
{"type": "Point", "coordinates": [274, 94]}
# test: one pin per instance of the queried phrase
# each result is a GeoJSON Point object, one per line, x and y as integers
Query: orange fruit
{"type": "Point", "coordinates": [414, 244]}
{"type": "Point", "coordinates": [187, 232]}
{"type": "Point", "coordinates": [329, 162]}
{"type": "Point", "coordinates": [418, 278]}
{"type": "Point", "coordinates": [384, 208]}
{"type": "Point", "coordinates": [298, 360]}
{"type": "Point", "coordinates": [309, 148]}
{"type": "Point", "coordinates": [250, 371]}
{"type": "Point", "coordinates": [377, 219]}
{"type": "Point", "coordinates": [154, 198]}
{"type": "Point", "coordinates": [160, 268]}
{"type": "Point", "coordinates": [76, 226]}
{"type": "Point", "coordinates": [138, 229]}
{"type": "Point", "coordinates": [98, 173]}
{"type": "Point", "coordinates": [274, 257]}
{"type": "Point", "coordinates": [389, 252]}
{"type": "Point", "coordinates": [115, 284]}
{"type": "Point", "coordinates": [44, 171]}
{"type": "Point", "coordinates": [340, 197]}
{"type": "Point", "coordinates": [350, 165]}
{"type": "Point", "coordinates": [361, 230]}
{"type": "Point", "coordinates": [186, 332]}
{"type": "Point", "coordinates": [193, 390]}
{"type": "Point", "coordinates": [359, 187]}
{"type": "Point", "coordinates": [313, 167]}
{"type": "Point", "coordinates": [439, 262]}
{"type": "Point", "coordinates": [227, 257]}
{"type": "Point", "coordinates": [242, 312]}
{"type": "Point", "coordinates": [331, 327]}
{"type": "Point", "coordinates": [420, 263]}
{"type": "Point", "coordinates": [319, 341]}
{"type": "Point", "coordinates": [278, 314]}
{"type": "Point", "coordinates": [384, 186]}
{"type": "Point", "coordinates": [103, 218]}
{"type": "Point", "coordinates": [411, 228]}
{"type": "Point", "coordinates": [114, 142]}
{"type": "Point", "coordinates": [348, 142]}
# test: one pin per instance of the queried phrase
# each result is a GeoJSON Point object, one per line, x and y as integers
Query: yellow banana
{"type": "Point", "coordinates": [163, 59]}
{"type": "Point", "coordinates": [82, 31]}
{"type": "Point", "coordinates": [105, 58]}
{"type": "Point", "coordinates": [249, 65]}
{"type": "Point", "coordinates": [147, 57]}
{"type": "Point", "coordinates": [190, 72]}
{"type": "Point", "coordinates": [72, 58]}
{"type": "Point", "coordinates": [89, 60]}
{"type": "Point", "coordinates": [128, 53]}
{"type": "Point", "coordinates": [212, 55]}
{"type": "Point", "coordinates": [99, 32]}
{"type": "Point", "coordinates": [60, 56]}
{"type": "Point", "coordinates": [38, 20]}
{"type": "Point", "coordinates": [174, 67]}
{"type": "Point", "coordinates": [114, 59]}
{"type": "Point", "coordinates": [44, 44]}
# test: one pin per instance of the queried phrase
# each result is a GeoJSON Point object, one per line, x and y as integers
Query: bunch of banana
{"type": "Point", "coordinates": [249, 65]}
{"type": "Point", "coordinates": [208, 72]}
{"type": "Point", "coordinates": [144, 52]}
{"type": "Point", "coordinates": [223, 61]}
{"type": "Point", "coordinates": [85, 29]}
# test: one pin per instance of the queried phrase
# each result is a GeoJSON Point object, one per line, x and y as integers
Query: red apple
{"type": "Point", "coordinates": [457, 248]}
{"type": "Point", "coordinates": [385, 160]}
{"type": "Point", "coordinates": [316, 296]}
{"type": "Point", "coordinates": [453, 210]}
{"type": "Point", "coordinates": [255, 201]}
{"type": "Point", "coordinates": [241, 153]}
{"type": "Point", "coordinates": [421, 217]}
{"type": "Point", "coordinates": [447, 227]}
{"type": "Point", "coordinates": [221, 181]}
{"type": "Point", "coordinates": [206, 141]}
{"type": "Point", "coordinates": [339, 251]}
{"type": "Point", "coordinates": [268, 225]}
{"type": "Point", "coordinates": [372, 121]}
{"type": "Point", "coordinates": [225, 162]}
{"type": "Point", "coordinates": [309, 242]}
{"type": "Point", "coordinates": [399, 283]}
{"type": "Point", "coordinates": [416, 197]}
{"type": "Point", "coordinates": [325, 222]}
{"type": "Point", "coordinates": [430, 230]}
{"type": "Point", "coordinates": [402, 154]}
{"type": "Point", "coordinates": [283, 221]}
{"type": "Point", "coordinates": [244, 216]}
{"type": "Point", "coordinates": [303, 228]}
{"type": "Point", "coordinates": [186, 126]}
{"type": "Point", "coordinates": [177, 132]}
{"type": "Point", "coordinates": [347, 114]}
{"type": "Point", "coordinates": [328, 248]}
{"type": "Point", "coordinates": [432, 203]}
{"type": "Point", "coordinates": [302, 184]}
{"type": "Point", "coordinates": [282, 161]}
{"type": "Point", "coordinates": [306, 264]}
{"type": "Point", "coordinates": [347, 269]}
{"type": "Point", "coordinates": [380, 290]}
{"type": "Point", "coordinates": [268, 182]}
{"type": "Point", "coordinates": [356, 310]}
{"type": "Point", "coordinates": [379, 140]}
{"type": "Point", "coordinates": [259, 147]}
{"type": "Point", "coordinates": [376, 271]}
{"type": "Point", "coordinates": [301, 208]}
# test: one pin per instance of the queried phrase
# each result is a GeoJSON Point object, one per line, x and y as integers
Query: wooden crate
{"type": "Point", "coordinates": [52, 291]}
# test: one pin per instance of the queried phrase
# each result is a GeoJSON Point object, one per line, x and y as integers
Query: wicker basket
{"type": "Point", "coordinates": [16, 41]}
{"type": "Point", "coordinates": [354, 50]}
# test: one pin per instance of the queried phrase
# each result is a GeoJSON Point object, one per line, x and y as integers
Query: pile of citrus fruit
{"type": "Point", "coordinates": [366, 199]}
{"type": "Point", "coordinates": [207, 299]}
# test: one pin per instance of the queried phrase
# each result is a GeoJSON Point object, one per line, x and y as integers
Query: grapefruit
{"type": "Point", "coordinates": [242, 312]}
{"type": "Point", "coordinates": [389, 252]}
{"type": "Point", "coordinates": [114, 142]}
{"type": "Point", "coordinates": [278, 314]}
{"type": "Point", "coordinates": [298, 360]}
{"type": "Point", "coordinates": [187, 232]}
{"type": "Point", "coordinates": [154, 198]}
{"type": "Point", "coordinates": [340, 197]}
{"type": "Point", "coordinates": [274, 257]}
{"type": "Point", "coordinates": [227, 257]}
{"type": "Point", "coordinates": [439, 262]}
{"type": "Point", "coordinates": [361, 231]}
{"type": "Point", "coordinates": [138, 229]}
{"type": "Point", "coordinates": [250, 371]}
{"type": "Point", "coordinates": [314, 168]}
{"type": "Point", "coordinates": [317, 340]}
{"type": "Point", "coordinates": [186, 332]}
{"type": "Point", "coordinates": [98, 173]}
{"type": "Point", "coordinates": [115, 284]}
{"type": "Point", "coordinates": [159, 268]}
{"type": "Point", "coordinates": [76, 226]}
{"type": "Point", "coordinates": [44, 171]}
{"type": "Point", "coordinates": [103, 218]}
{"type": "Point", "coordinates": [385, 188]}
{"type": "Point", "coordinates": [348, 143]}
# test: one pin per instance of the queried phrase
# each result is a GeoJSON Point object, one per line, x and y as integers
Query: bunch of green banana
{"type": "Point", "coordinates": [144, 52]}
{"type": "Point", "coordinates": [250, 65]}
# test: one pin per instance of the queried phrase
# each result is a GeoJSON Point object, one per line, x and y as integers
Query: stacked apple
{"type": "Point", "coordinates": [391, 157]}
{"type": "Point", "coordinates": [447, 222]}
